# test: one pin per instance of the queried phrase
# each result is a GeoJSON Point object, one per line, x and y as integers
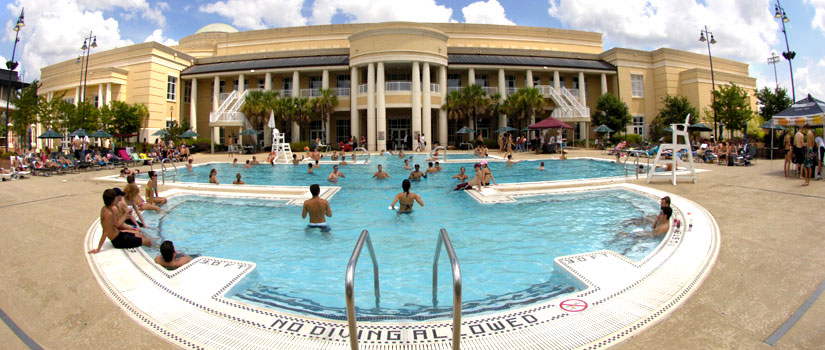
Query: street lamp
{"type": "Point", "coordinates": [171, 116]}
{"type": "Point", "coordinates": [774, 59]}
{"type": "Point", "coordinates": [702, 37]}
{"type": "Point", "coordinates": [87, 49]}
{"type": "Point", "coordinates": [789, 55]}
{"type": "Point", "coordinates": [11, 65]}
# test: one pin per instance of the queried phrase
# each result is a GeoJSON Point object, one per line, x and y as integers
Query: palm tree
{"type": "Point", "coordinates": [301, 114]}
{"type": "Point", "coordinates": [258, 105]}
{"type": "Point", "coordinates": [323, 105]}
{"type": "Point", "coordinates": [476, 102]}
{"type": "Point", "coordinates": [522, 105]}
{"type": "Point", "coordinates": [453, 105]}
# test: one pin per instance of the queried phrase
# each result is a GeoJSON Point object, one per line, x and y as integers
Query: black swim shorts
{"type": "Point", "coordinates": [799, 155]}
{"type": "Point", "coordinates": [125, 240]}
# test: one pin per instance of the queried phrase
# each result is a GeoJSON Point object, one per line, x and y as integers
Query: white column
{"type": "Point", "coordinates": [529, 79]}
{"type": "Point", "coordinates": [556, 84]}
{"type": "Point", "coordinates": [296, 92]}
{"type": "Point", "coordinates": [325, 86]}
{"type": "Point", "coordinates": [109, 93]}
{"type": "Point", "coordinates": [604, 83]}
{"type": "Point", "coordinates": [100, 95]}
{"type": "Point", "coordinates": [502, 87]}
{"type": "Point", "coordinates": [370, 108]}
{"type": "Point", "coordinates": [380, 109]}
{"type": "Point", "coordinates": [416, 102]}
{"type": "Point", "coordinates": [268, 81]}
{"type": "Point", "coordinates": [216, 94]}
{"type": "Point", "coordinates": [427, 111]}
{"type": "Point", "coordinates": [471, 76]}
{"type": "Point", "coordinates": [193, 103]}
{"type": "Point", "coordinates": [241, 84]}
{"type": "Point", "coordinates": [354, 116]}
{"type": "Point", "coordinates": [442, 114]}
{"type": "Point", "coordinates": [76, 95]}
{"type": "Point", "coordinates": [582, 89]}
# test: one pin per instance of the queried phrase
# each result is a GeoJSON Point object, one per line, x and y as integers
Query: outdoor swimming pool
{"type": "Point", "coordinates": [360, 174]}
{"type": "Point", "coordinates": [506, 250]}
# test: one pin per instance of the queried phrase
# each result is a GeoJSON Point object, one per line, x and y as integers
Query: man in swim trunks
{"type": "Point", "coordinates": [255, 161]}
{"type": "Point", "coordinates": [407, 164]}
{"type": "Point", "coordinates": [310, 169]}
{"type": "Point", "coordinates": [170, 258]}
{"type": "Point", "coordinates": [461, 176]}
{"type": "Point", "coordinates": [295, 160]}
{"type": "Point", "coordinates": [662, 223]}
{"type": "Point", "coordinates": [381, 174]}
{"type": "Point", "coordinates": [417, 174]}
{"type": "Point", "coordinates": [510, 160]}
{"type": "Point", "coordinates": [541, 166]}
{"type": "Point", "coordinates": [438, 167]}
{"type": "Point", "coordinates": [110, 220]}
{"type": "Point", "coordinates": [335, 174]}
{"type": "Point", "coordinates": [316, 207]}
{"type": "Point", "coordinates": [247, 165]}
{"type": "Point", "coordinates": [430, 168]}
{"type": "Point", "coordinates": [799, 151]}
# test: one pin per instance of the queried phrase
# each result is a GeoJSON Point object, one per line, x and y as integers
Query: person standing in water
{"type": "Point", "coordinates": [406, 198]}
{"type": "Point", "coordinates": [317, 208]}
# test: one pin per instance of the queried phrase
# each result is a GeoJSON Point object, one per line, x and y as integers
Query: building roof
{"type": "Point", "coordinates": [502, 60]}
{"type": "Point", "coordinates": [217, 28]}
{"type": "Point", "coordinates": [15, 79]}
{"type": "Point", "coordinates": [312, 61]}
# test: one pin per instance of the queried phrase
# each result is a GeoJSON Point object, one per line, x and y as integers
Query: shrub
{"type": "Point", "coordinates": [200, 144]}
{"type": "Point", "coordinates": [632, 139]}
{"type": "Point", "coordinates": [298, 146]}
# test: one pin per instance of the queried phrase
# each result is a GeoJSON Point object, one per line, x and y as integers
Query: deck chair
{"type": "Point", "coordinates": [748, 156]}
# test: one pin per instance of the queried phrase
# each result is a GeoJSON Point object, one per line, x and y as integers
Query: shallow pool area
{"type": "Point", "coordinates": [506, 250]}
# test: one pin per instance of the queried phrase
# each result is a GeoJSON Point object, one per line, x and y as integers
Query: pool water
{"type": "Point", "coordinates": [506, 250]}
{"type": "Point", "coordinates": [282, 174]}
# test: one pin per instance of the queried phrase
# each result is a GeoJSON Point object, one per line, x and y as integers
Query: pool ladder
{"type": "Point", "coordinates": [163, 170]}
{"type": "Point", "coordinates": [439, 148]}
{"type": "Point", "coordinates": [443, 239]}
{"type": "Point", "coordinates": [362, 149]}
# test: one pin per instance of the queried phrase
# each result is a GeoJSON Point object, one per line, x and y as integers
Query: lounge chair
{"type": "Point", "coordinates": [126, 158]}
{"type": "Point", "coordinates": [748, 156]}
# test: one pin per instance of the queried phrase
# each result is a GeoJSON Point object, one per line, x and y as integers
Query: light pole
{"type": "Point", "coordinates": [171, 116]}
{"type": "Point", "coordinates": [789, 55]}
{"type": "Point", "coordinates": [11, 65]}
{"type": "Point", "coordinates": [774, 59]}
{"type": "Point", "coordinates": [710, 40]}
{"type": "Point", "coordinates": [92, 41]}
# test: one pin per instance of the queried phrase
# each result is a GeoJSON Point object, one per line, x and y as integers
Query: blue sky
{"type": "Point", "coordinates": [745, 29]}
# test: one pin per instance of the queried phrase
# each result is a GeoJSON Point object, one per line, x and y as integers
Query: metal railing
{"type": "Point", "coordinates": [163, 170]}
{"type": "Point", "coordinates": [310, 92]}
{"type": "Point", "coordinates": [434, 87]}
{"type": "Point", "coordinates": [226, 102]}
{"type": "Point", "coordinates": [225, 95]}
{"type": "Point", "coordinates": [398, 86]}
{"type": "Point", "coordinates": [444, 238]}
{"type": "Point", "coordinates": [436, 150]}
{"type": "Point", "coordinates": [341, 91]}
{"type": "Point", "coordinates": [511, 90]}
{"type": "Point", "coordinates": [490, 90]}
{"type": "Point", "coordinates": [284, 93]}
{"type": "Point", "coordinates": [362, 149]}
{"type": "Point", "coordinates": [349, 284]}
{"type": "Point", "coordinates": [362, 89]}
{"type": "Point", "coordinates": [574, 101]}
{"type": "Point", "coordinates": [454, 88]}
{"type": "Point", "coordinates": [544, 90]}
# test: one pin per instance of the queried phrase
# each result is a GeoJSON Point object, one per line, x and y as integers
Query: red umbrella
{"type": "Point", "coordinates": [550, 123]}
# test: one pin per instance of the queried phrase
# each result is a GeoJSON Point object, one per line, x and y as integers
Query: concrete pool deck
{"type": "Point", "coordinates": [770, 262]}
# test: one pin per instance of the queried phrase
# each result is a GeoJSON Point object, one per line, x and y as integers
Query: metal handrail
{"type": "Point", "coordinates": [439, 148]}
{"type": "Point", "coordinates": [349, 283]}
{"type": "Point", "coordinates": [448, 245]}
{"type": "Point", "coordinates": [163, 170]}
{"type": "Point", "coordinates": [362, 149]}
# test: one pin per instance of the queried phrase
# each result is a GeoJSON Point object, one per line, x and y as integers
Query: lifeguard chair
{"type": "Point", "coordinates": [675, 147]}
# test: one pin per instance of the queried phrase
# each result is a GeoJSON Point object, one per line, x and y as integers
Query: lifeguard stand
{"type": "Point", "coordinates": [675, 161]}
{"type": "Point", "coordinates": [281, 148]}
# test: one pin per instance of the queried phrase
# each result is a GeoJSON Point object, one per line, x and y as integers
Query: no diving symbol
{"type": "Point", "coordinates": [573, 305]}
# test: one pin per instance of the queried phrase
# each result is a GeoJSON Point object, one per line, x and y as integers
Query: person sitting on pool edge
{"type": "Point", "coordinates": [381, 174]}
{"type": "Point", "coordinates": [110, 219]}
{"type": "Point", "coordinates": [316, 207]}
{"type": "Point", "coordinates": [238, 180]}
{"type": "Point", "coordinates": [416, 175]}
{"type": "Point", "coordinates": [406, 198]}
{"type": "Point", "coordinates": [169, 258]}
{"type": "Point", "coordinates": [335, 174]}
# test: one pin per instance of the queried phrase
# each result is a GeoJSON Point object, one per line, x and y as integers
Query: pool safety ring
{"type": "Point", "coordinates": [573, 305]}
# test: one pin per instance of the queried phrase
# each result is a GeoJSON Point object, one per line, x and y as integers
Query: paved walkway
{"type": "Point", "coordinates": [771, 261]}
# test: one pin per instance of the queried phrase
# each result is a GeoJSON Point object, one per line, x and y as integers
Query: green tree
{"type": "Point", "coordinates": [49, 113]}
{"type": "Point", "coordinates": [772, 102]}
{"type": "Point", "coordinates": [611, 111]}
{"type": "Point", "coordinates": [523, 104]}
{"type": "Point", "coordinates": [257, 107]}
{"type": "Point", "coordinates": [26, 103]}
{"type": "Point", "coordinates": [122, 118]}
{"type": "Point", "coordinates": [475, 102]}
{"type": "Point", "coordinates": [453, 105]}
{"type": "Point", "coordinates": [85, 116]}
{"type": "Point", "coordinates": [674, 110]}
{"type": "Point", "coordinates": [323, 106]}
{"type": "Point", "coordinates": [732, 107]}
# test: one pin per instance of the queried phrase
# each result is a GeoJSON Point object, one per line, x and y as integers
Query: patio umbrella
{"type": "Point", "coordinates": [603, 129]}
{"type": "Point", "coordinates": [79, 133]}
{"type": "Point", "coordinates": [101, 134]}
{"type": "Point", "coordinates": [805, 111]}
{"type": "Point", "coordinates": [549, 123]}
{"type": "Point", "coordinates": [50, 134]}
{"type": "Point", "coordinates": [188, 134]}
{"type": "Point", "coordinates": [506, 129]}
{"type": "Point", "coordinates": [699, 127]}
{"type": "Point", "coordinates": [769, 125]}
{"type": "Point", "coordinates": [526, 129]}
{"type": "Point", "coordinates": [161, 133]}
{"type": "Point", "coordinates": [465, 130]}
{"type": "Point", "coordinates": [250, 131]}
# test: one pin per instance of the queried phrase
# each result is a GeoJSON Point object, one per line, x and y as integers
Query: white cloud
{"type": "Point", "coordinates": [146, 11]}
{"type": "Point", "coordinates": [808, 78]}
{"type": "Point", "coordinates": [486, 12]}
{"type": "Point", "coordinates": [744, 29]}
{"type": "Point", "coordinates": [157, 36]}
{"type": "Point", "coordinates": [818, 21]}
{"type": "Point", "coordinates": [367, 11]}
{"type": "Point", "coordinates": [55, 30]}
{"type": "Point", "coordinates": [259, 14]}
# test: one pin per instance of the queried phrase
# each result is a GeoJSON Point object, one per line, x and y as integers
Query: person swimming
{"type": "Point", "coordinates": [406, 199]}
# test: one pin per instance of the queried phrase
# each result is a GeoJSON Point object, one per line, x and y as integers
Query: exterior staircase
{"type": "Point", "coordinates": [228, 113]}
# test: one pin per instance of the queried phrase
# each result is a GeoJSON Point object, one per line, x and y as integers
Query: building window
{"type": "Point", "coordinates": [536, 80]}
{"type": "Point", "coordinates": [398, 77]}
{"type": "Point", "coordinates": [261, 84]}
{"type": "Point", "coordinates": [316, 131]}
{"type": "Point", "coordinates": [342, 130]}
{"type": "Point", "coordinates": [187, 91]}
{"type": "Point", "coordinates": [287, 84]}
{"type": "Point", "coordinates": [97, 101]}
{"type": "Point", "coordinates": [222, 86]}
{"type": "Point", "coordinates": [342, 81]}
{"type": "Point", "coordinates": [510, 81]}
{"type": "Point", "coordinates": [482, 128]}
{"type": "Point", "coordinates": [482, 80]}
{"type": "Point", "coordinates": [315, 82]}
{"type": "Point", "coordinates": [577, 87]}
{"type": "Point", "coordinates": [171, 85]}
{"type": "Point", "coordinates": [639, 125]}
{"type": "Point", "coordinates": [69, 100]}
{"type": "Point", "coordinates": [637, 85]}
{"type": "Point", "coordinates": [453, 80]}
{"type": "Point", "coordinates": [221, 135]}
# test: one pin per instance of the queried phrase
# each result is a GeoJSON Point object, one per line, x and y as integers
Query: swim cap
{"type": "Point", "coordinates": [483, 162]}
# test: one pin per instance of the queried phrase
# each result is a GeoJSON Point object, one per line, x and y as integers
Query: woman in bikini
{"type": "Point", "coordinates": [406, 199]}
{"type": "Point", "coordinates": [134, 199]}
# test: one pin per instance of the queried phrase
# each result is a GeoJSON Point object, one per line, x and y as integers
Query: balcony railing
{"type": "Point", "coordinates": [511, 90]}
{"type": "Point", "coordinates": [223, 96]}
{"type": "Point", "coordinates": [435, 87]}
{"type": "Point", "coordinates": [544, 90]}
{"type": "Point", "coordinates": [454, 88]}
{"type": "Point", "coordinates": [341, 91]}
{"type": "Point", "coordinates": [398, 86]}
{"type": "Point", "coordinates": [284, 93]}
{"type": "Point", "coordinates": [362, 89]}
{"type": "Point", "coordinates": [490, 90]}
{"type": "Point", "coordinates": [310, 92]}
